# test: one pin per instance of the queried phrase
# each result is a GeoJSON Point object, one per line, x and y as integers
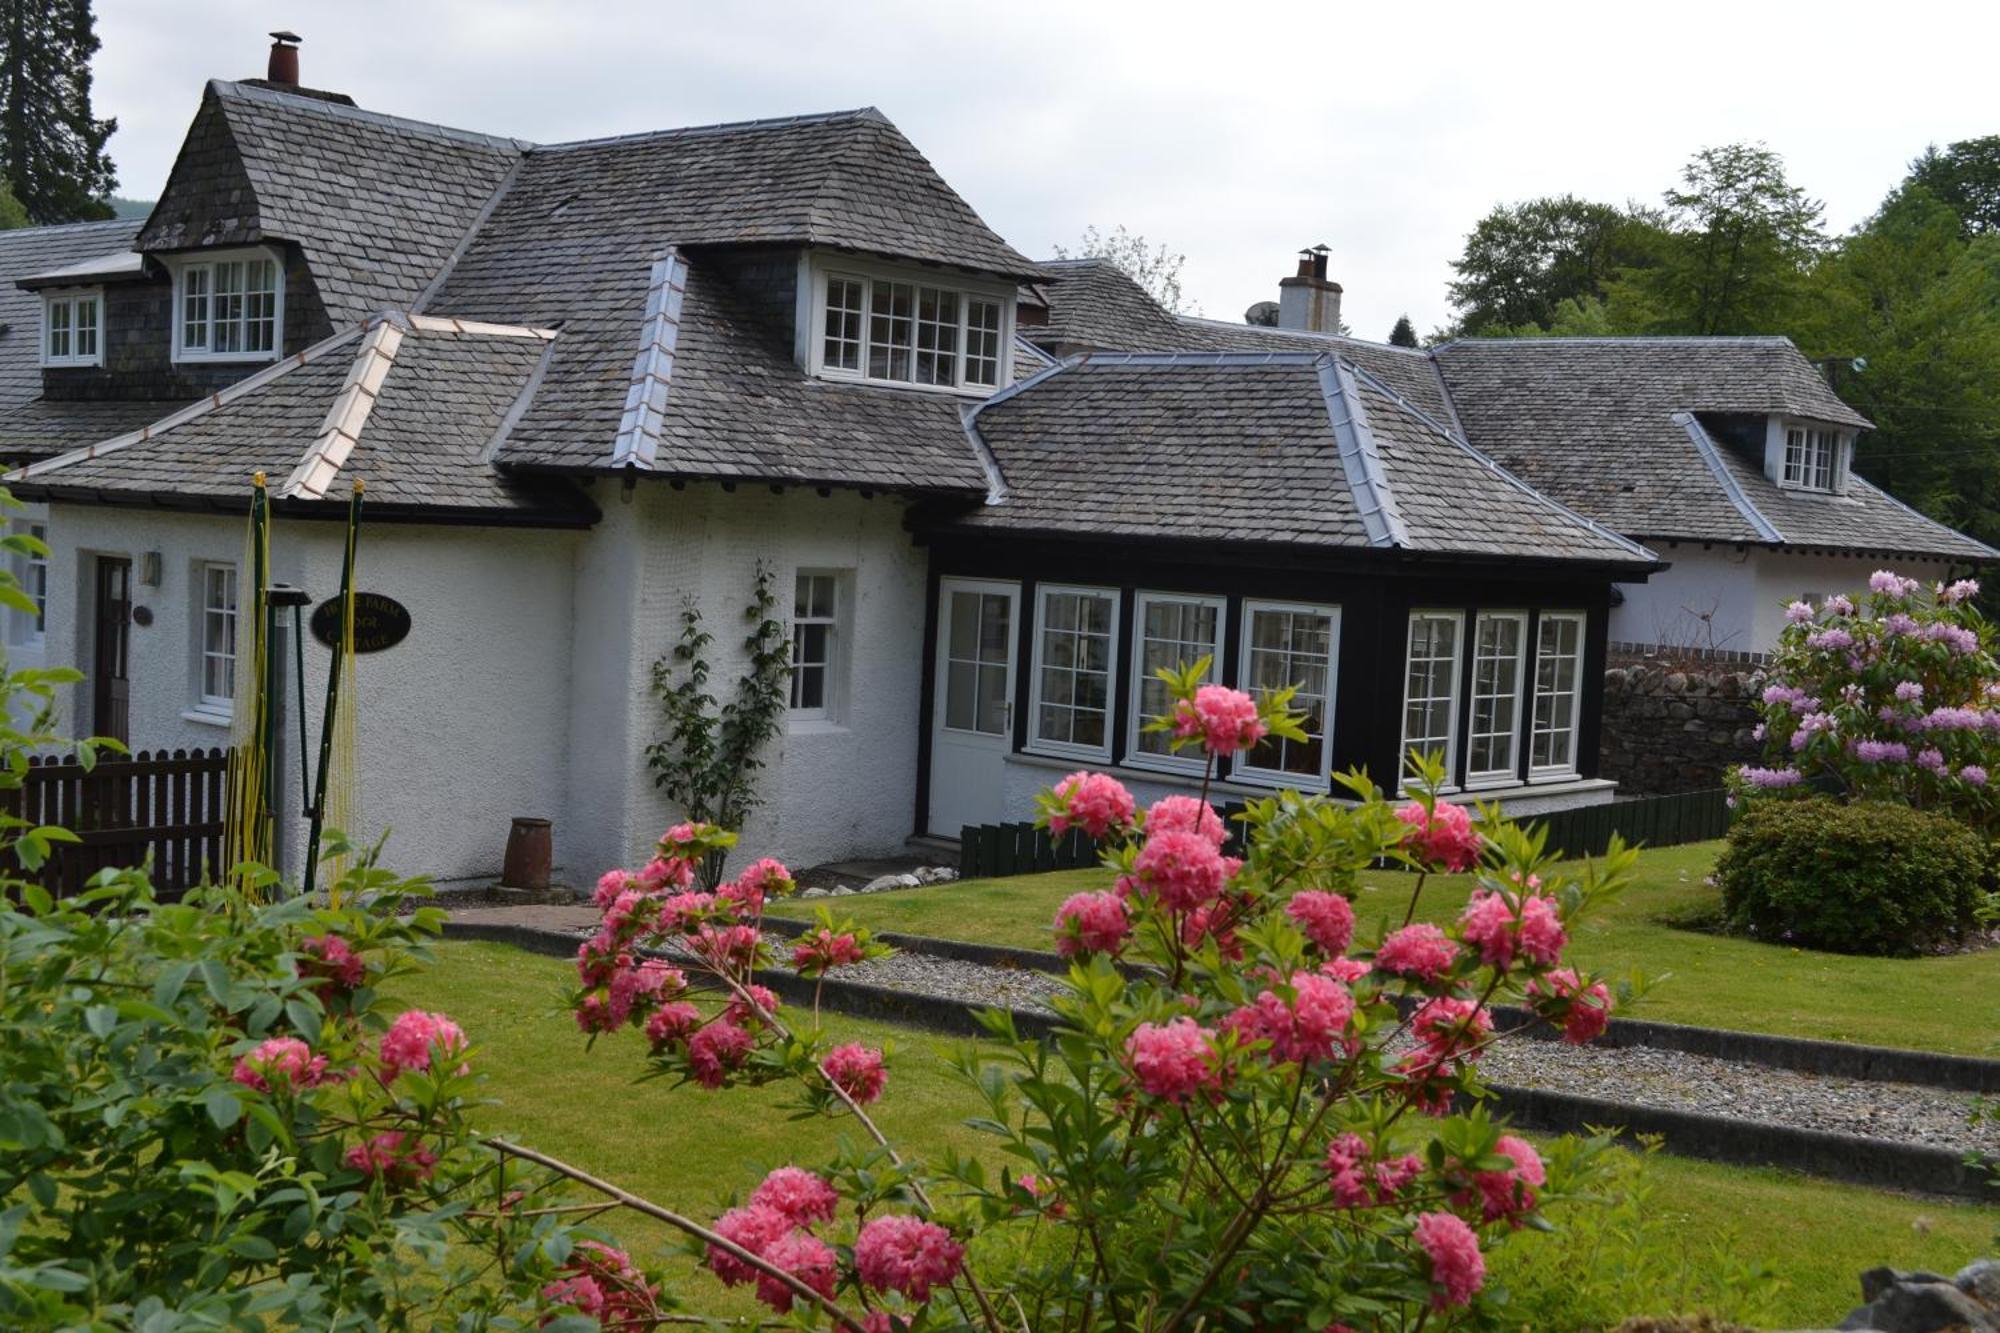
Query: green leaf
{"type": "Point", "coordinates": [100, 1019]}
{"type": "Point", "coordinates": [223, 1107]}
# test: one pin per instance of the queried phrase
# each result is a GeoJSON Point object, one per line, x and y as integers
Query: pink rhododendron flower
{"type": "Point", "coordinates": [1972, 775]}
{"type": "Point", "coordinates": [672, 1022]}
{"type": "Point", "coordinates": [600, 1281]}
{"type": "Point", "coordinates": [725, 946]}
{"type": "Point", "coordinates": [682, 913]}
{"type": "Point", "coordinates": [1090, 923]}
{"type": "Point", "coordinates": [332, 958]}
{"type": "Point", "coordinates": [1226, 720]}
{"type": "Point", "coordinates": [756, 1004]}
{"type": "Point", "coordinates": [881, 1321]}
{"type": "Point", "coordinates": [1421, 952]}
{"type": "Point", "coordinates": [1326, 918]}
{"type": "Point", "coordinates": [599, 958]}
{"type": "Point", "coordinates": [611, 884]}
{"type": "Point", "coordinates": [717, 1050]}
{"type": "Point", "coordinates": [1799, 612]}
{"type": "Point", "coordinates": [1456, 1266]}
{"type": "Point", "coordinates": [408, 1043]}
{"type": "Point", "coordinates": [1770, 778]}
{"type": "Point", "coordinates": [1442, 837]}
{"type": "Point", "coordinates": [806, 1258]}
{"type": "Point", "coordinates": [1450, 1026]}
{"type": "Point", "coordinates": [1186, 814]}
{"type": "Point", "coordinates": [1346, 1170]}
{"type": "Point", "coordinates": [663, 873]}
{"type": "Point", "coordinates": [393, 1156]}
{"type": "Point", "coordinates": [907, 1254]}
{"type": "Point", "coordinates": [1171, 1061]}
{"type": "Point", "coordinates": [1396, 1175]}
{"type": "Point", "coordinates": [766, 878]}
{"type": "Point", "coordinates": [577, 1290]}
{"type": "Point", "coordinates": [799, 1194]}
{"type": "Point", "coordinates": [755, 1228]}
{"type": "Point", "coordinates": [1589, 1009]}
{"type": "Point", "coordinates": [1097, 803]}
{"type": "Point", "coordinates": [283, 1063]}
{"type": "Point", "coordinates": [1044, 1194]}
{"type": "Point", "coordinates": [1511, 1192]}
{"type": "Point", "coordinates": [1488, 925]}
{"type": "Point", "coordinates": [1306, 1029]}
{"type": "Point", "coordinates": [1212, 921]}
{"type": "Point", "coordinates": [1542, 935]}
{"type": "Point", "coordinates": [1349, 970]}
{"type": "Point", "coordinates": [1181, 870]}
{"type": "Point", "coordinates": [1959, 592]}
{"type": "Point", "coordinates": [820, 950]}
{"type": "Point", "coordinates": [677, 840]}
{"type": "Point", "coordinates": [856, 1070]}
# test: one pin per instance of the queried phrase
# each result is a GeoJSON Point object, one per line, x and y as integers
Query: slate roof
{"type": "Point", "coordinates": [1299, 449]}
{"type": "Point", "coordinates": [43, 427]}
{"type": "Point", "coordinates": [414, 406]}
{"type": "Point", "coordinates": [27, 251]}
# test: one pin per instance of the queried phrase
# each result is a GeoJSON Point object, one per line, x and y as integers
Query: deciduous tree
{"type": "Point", "coordinates": [1154, 267]}
{"type": "Point", "coordinates": [1965, 176]}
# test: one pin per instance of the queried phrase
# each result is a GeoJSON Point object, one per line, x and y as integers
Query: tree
{"type": "Point", "coordinates": [1741, 242]}
{"type": "Point", "coordinates": [51, 144]}
{"type": "Point", "coordinates": [1155, 268]}
{"type": "Point", "coordinates": [1404, 334]}
{"type": "Point", "coordinates": [1966, 178]}
{"type": "Point", "coordinates": [1522, 261]}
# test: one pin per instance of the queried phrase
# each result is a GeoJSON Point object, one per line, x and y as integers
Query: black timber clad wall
{"type": "Point", "coordinates": [1375, 603]}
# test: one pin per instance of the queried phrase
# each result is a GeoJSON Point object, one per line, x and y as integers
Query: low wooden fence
{"type": "Point", "coordinates": [169, 807]}
{"type": "Point", "coordinates": [992, 851]}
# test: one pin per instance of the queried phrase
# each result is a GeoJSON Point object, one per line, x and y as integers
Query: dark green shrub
{"type": "Point", "coordinates": [1870, 877]}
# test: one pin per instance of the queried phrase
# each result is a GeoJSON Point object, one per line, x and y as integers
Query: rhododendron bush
{"type": "Point", "coordinates": [1894, 696]}
{"type": "Point", "coordinates": [1255, 1110]}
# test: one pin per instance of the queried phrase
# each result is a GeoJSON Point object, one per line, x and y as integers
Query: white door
{"type": "Point", "coordinates": [972, 714]}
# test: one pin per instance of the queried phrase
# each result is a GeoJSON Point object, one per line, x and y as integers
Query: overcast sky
{"type": "Point", "coordinates": [1235, 133]}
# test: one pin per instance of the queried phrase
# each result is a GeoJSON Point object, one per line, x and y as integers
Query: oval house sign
{"type": "Point", "coordinates": [379, 622]}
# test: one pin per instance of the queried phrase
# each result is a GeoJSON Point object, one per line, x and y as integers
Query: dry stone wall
{"type": "Point", "coordinates": [1676, 725]}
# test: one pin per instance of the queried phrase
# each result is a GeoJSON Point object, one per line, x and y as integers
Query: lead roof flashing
{"type": "Point", "coordinates": [1712, 459]}
{"type": "Point", "coordinates": [643, 421]}
{"type": "Point", "coordinates": [348, 414]}
{"type": "Point", "coordinates": [1374, 499]}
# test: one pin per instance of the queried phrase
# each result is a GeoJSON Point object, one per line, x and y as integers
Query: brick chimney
{"type": "Point", "coordinates": [1308, 300]}
{"type": "Point", "coordinates": [284, 67]}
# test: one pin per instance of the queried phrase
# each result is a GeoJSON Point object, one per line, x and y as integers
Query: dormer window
{"type": "Point", "coordinates": [73, 328]}
{"type": "Point", "coordinates": [885, 327]}
{"type": "Point", "coordinates": [1812, 458]}
{"type": "Point", "coordinates": [228, 307]}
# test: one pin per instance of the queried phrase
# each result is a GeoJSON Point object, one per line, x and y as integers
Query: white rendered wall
{"type": "Point", "coordinates": [1733, 598]}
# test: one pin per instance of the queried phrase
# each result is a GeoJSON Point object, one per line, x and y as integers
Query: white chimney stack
{"type": "Point", "coordinates": [1308, 300]}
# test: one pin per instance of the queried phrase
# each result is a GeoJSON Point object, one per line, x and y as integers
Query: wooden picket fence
{"type": "Point", "coordinates": [994, 851]}
{"type": "Point", "coordinates": [169, 807]}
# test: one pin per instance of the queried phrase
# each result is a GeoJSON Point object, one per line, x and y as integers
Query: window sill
{"type": "Point", "coordinates": [208, 717]}
{"type": "Point", "coordinates": [1059, 753]}
{"type": "Point", "coordinates": [224, 358]}
{"type": "Point", "coordinates": [1126, 772]}
{"type": "Point", "coordinates": [814, 726]}
{"type": "Point", "coordinates": [72, 365]}
{"type": "Point", "coordinates": [974, 391]}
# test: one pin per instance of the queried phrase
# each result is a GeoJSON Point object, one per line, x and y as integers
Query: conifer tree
{"type": "Point", "coordinates": [1404, 334]}
{"type": "Point", "coordinates": [51, 145]}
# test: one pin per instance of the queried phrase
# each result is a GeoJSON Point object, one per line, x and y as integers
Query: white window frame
{"type": "Point", "coordinates": [1070, 749]}
{"type": "Point", "coordinates": [71, 300]}
{"type": "Point", "coordinates": [31, 573]}
{"type": "Point", "coordinates": [810, 345]}
{"type": "Point", "coordinates": [1191, 759]}
{"type": "Point", "coordinates": [1242, 769]}
{"type": "Point", "coordinates": [1495, 777]}
{"type": "Point", "coordinates": [1452, 699]}
{"type": "Point", "coordinates": [828, 707]}
{"type": "Point", "coordinates": [1804, 448]}
{"type": "Point", "coordinates": [206, 262]}
{"type": "Point", "coordinates": [205, 612]}
{"type": "Point", "coordinates": [1548, 772]}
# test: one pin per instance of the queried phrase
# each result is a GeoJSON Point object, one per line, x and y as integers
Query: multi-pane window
{"type": "Point", "coordinates": [229, 309]}
{"type": "Point", "coordinates": [1497, 640]}
{"type": "Point", "coordinates": [31, 572]}
{"type": "Point", "coordinates": [910, 333]}
{"type": "Point", "coordinates": [1558, 691]}
{"type": "Point", "coordinates": [1430, 685]}
{"type": "Point", "coordinates": [1075, 629]}
{"type": "Point", "coordinates": [1811, 457]}
{"type": "Point", "coordinates": [979, 655]}
{"type": "Point", "coordinates": [1171, 633]}
{"type": "Point", "coordinates": [815, 614]}
{"type": "Point", "coordinates": [1291, 645]}
{"type": "Point", "coordinates": [218, 634]}
{"type": "Point", "coordinates": [72, 329]}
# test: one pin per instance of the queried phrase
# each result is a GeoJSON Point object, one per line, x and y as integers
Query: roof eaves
{"type": "Point", "coordinates": [1359, 458]}
{"type": "Point", "coordinates": [1991, 553]}
{"type": "Point", "coordinates": [1705, 446]}
{"type": "Point", "coordinates": [643, 421]}
{"type": "Point", "coordinates": [348, 416]}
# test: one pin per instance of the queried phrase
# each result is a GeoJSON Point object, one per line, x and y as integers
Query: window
{"type": "Point", "coordinates": [1811, 458]}
{"type": "Point", "coordinates": [1291, 645]}
{"type": "Point", "coordinates": [1172, 632]}
{"type": "Point", "coordinates": [899, 332]}
{"type": "Point", "coordinates": [1430, 686]}
{"type": "Point", "coordinates": [979, 656]}
{"type": "Point", "coordinates": [230, 308]}
{"type": "Point", "coordinates": [31, 571]}
{"type": "Point", "coordinates": [218, 634]}
{"type": "Point", "coordinates": [72, 329]}
{"type": "Point", "coordinates": [1074, 631]}
{"type": "Point", "coordinates": [1496, 697]}
{"type": "Point", "coordinates": [815, 612]}
{"type": "Point", "coordinates": [1558, 684]}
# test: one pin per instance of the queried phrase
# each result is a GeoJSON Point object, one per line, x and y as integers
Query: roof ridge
{"type": "Point", "coordinates": [348, 414]}
{"type": "Point", "coordinates": [1153, 359]}
{"type": "Point", "coordinates": [252, 93]}
{"type": "Point", "coordinates": [1346, 339]}
{"type": "Point", "coordinates": [1360, 459]}
{"type": "Point", "coordinates": [1704, 445]}
{"type": "Point", "coordinates": [42, 228]}
{"type": "Point", "coordinates": [1624, 340]}
{"type": "Point", "coordinates": [718, 127]}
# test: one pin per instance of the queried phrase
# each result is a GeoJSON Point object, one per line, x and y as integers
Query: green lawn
{"type": "Point", "coordinates": [690, 1149]}
{"type": "Point", "coordinates": [1941, 1004]}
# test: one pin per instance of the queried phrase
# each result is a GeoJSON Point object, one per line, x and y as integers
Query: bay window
{"type": "Point", "coordinates": [1075, 629]}
{"type": "Point", "coordinates": [1430, 687]}
{"type": "Point", "coordinates": [893, 330]}
{"type": "Point", "coordinates": [72, 329]}
{"type": "Point", "coordinates": [1558, 694]}
{"type": "Point", "coordinates": [1491, 740]}
{"type": "Point", "coordinates": [1172, 632]}
{"type": "Point", "coordinates": [1286, 645]}
{"type": "Point", "coordinates": [229, 307]}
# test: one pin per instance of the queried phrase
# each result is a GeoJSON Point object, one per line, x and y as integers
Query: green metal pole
{"type": "Point", "coordinates": [261, 730]}
{"type": "Point", "coordinates": [299, 665]}
{"type": "Point", "coordinates": [326, 725]}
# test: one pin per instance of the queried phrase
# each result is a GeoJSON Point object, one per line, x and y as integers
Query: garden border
{"type": "Point", "coordinates": [1878, 1163]}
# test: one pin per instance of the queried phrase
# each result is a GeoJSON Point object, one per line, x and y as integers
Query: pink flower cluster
{"type": "Point", "coordinates": [1768, 778]}
{"type": "Point", "coordinates": [1180, 870]}
{"type": "Point", "coordinates": [1420, 952]}
{"type": "Point", "coordinates": [602, 1282]}
{"type": "Point", "coordinates": [1186, 814]}
{"type": "Point", "coordinates": [1225, 720]}
{"type": "Point", "coordinates": [333, 960]}
{"type": "Point", "coordinates": [1891, 584]}
{"type": "Point", "coordinates": [1173, 1061]}
{"type": "Point", "coordinates": [414, 1036]}
{"type": "Point", "coordinates": [1356, 1179]}
{"type": "Point", "coordinates": [856, 1070]}
{"type": "Point", "coordinates": [281, 1064]}
{"type": "Point", "coordinates": [393, 1157]}
{"type": "Point", "coordinates": [1509, 1193]}
{"type": "Point", "coordinates": [776, 1226]}
{"type": "Point", "coordinates": [1584, 1011]}
{"type": "Point", "coordinates": [820, 950]}
{"type": "Point", "coordinates": [1442, 838]}
{"type": "Point", "coordinates": [1305, 1027]}
{"type": "Point", "coordinates": [1326, 918]}
{"type": "Point", "coordinates": [1457, 1269]}
{"type": "Point", "coordinates": [1089, 923]}
{"type": "Point", "coordinates": [907, 1254]}
{"type": "Point", "coordinates": [1501, 924]}
{"type": "Point", "coordinates": [1097, 803]}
